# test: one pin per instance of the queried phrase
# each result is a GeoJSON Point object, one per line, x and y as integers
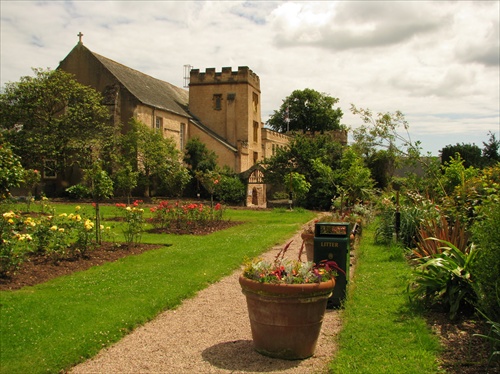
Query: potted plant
{"type": "Point", "coordinates": [286, 303]}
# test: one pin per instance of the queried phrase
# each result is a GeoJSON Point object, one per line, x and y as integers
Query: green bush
{"type": "Point", "coordinates": [78, 191]}
{"type": "Point", "coordinates": [444, 280]}
{"type": "Point", "coordinates": [486, 268]}
{"type": "Point", "coordinates": [280, 195]}
{"type": "Point", "coordinates": [230, 189]}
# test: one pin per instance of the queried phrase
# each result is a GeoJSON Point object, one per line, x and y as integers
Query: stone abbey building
{"type": "Point", "coordinates": [222, 109]}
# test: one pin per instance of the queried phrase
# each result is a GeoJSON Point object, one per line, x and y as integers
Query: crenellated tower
{"type": "Point", "coordinates": [228, 103]}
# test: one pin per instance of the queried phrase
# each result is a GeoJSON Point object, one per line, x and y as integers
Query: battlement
{"type": "Point", "coordinates": [227, 75]}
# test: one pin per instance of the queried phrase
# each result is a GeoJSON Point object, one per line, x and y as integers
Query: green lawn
{"type": "Point", "coordinates": [55, 325]}
{"type": "Point", "coordinates": [381, 333]}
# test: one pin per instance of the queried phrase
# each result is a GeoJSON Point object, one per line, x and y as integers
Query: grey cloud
{"type": "Point", "coordinates": [482, 50]}
{"type": "Point", "coordinates": [354, 25]}
{"type": "Point", "coordinates": [454, 82]}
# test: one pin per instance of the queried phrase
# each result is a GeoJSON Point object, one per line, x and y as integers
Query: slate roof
{"type": "Point", "coordinates": [156, 93]}
{"type": "Point", "coordinates": [149, 90]}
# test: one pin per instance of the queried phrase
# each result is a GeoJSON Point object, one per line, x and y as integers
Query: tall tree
{"type": "Point", "coordinates": [491, 150]}
{"type": "Point", "coordinates": [307, 110]}
{"type": "Point", "coordinates": [302, 156]}
{"type": "Point", "coordinates": [469, 153]}
{"type": "Point", "coordinates": [200, 160]}
{"type": "Point", "coordinates": [199, 157]}
{"type": "Point", "coordinates": [390, 131]}
{"type": "Point", "coordinates": [157, 159]}
{"type": "Point", "coordinates": [51, 116]}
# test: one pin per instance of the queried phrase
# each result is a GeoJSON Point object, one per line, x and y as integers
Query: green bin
{"type": "Point", "coordinates": [331, 242]}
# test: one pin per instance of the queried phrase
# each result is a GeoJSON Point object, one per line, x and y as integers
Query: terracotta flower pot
{"type": "Point", "coordinates": [286, 319]}
{"type": "Point", "coordinates": [309, 244]}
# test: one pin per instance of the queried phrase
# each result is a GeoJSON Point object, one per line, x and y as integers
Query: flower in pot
{"type": "Point", "coordinates": [286, 303]}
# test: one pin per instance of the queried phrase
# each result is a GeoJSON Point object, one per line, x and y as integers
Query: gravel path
{"type": "Point", "coordinates": [209, 333]}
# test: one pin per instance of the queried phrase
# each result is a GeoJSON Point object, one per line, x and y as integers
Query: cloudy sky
{"type": "Point", "coordinates": [437, 62]}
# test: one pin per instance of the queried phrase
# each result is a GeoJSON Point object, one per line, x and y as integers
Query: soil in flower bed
{"type": "Point", "coordinates": [39, 269]}
{"type": "Point", "coordinates": [463, 353]}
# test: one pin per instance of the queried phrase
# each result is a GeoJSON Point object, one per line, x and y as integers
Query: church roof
{"type": "Point", "coordinates": [149, 90]}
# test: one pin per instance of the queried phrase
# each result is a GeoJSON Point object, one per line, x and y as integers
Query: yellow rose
{"type": "Point", "coordinates": [77, 208]}
{"type": "Point", "coordinates": [61, 230]}
{"type": "Point", "coordinates": [88, 225]}
{"type": "Point", "coordinates": [54, 228]}
{"type": "Point", "coordinates": [9, 214]}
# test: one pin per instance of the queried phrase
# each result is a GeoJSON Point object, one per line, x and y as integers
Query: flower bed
{"type": "Point", "coordinates": [184, 218]}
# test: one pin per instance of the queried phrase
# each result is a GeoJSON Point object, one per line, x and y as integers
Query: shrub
{"type": "Point", "coordinates": [13, 242]}
{"type": "Point", "coordinates": [230, 189]}
{"type": "Point", "coordinates": [386, 222]}
{"type": "Point", "coordinates": [78, 191]}
{"type": "Point", "coordinates": [443, 231]}
{"type": "Point", "coordinates": [486, 267]}
{"type": "Point", "coordinates": [134, 222]}
{"type": "Point", "coordinates": [444, 280]}
{"type": "Point", "coordinates": [466, 200]}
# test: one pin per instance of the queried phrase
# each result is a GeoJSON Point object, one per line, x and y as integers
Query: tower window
{"type": "Point", "coordinates": [255, 131]}
{"type": "Point", "coordinates": [217, 101]}
{"type": "Point", "coordinates": [255, 102]}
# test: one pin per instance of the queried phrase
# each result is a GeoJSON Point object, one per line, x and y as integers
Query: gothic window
{"type": "Point", "coordinates": [255, 102]}
{"type": "Point", "coordinates": [217, 101]}
{"type": "Point", "coordinates": [255, 131]}
{"type": "Point", "coordinates": [255, 157]}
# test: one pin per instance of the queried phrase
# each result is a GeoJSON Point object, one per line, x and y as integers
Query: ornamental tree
{"type": "Point", "coordinates": [307, 111]}
{"type": "Point", "coordinates": [101, 188]}
{"type": "Point", "coordinates": [50, 116]}
{"type": "Point", "coordinates": [199, 157]}
{"type": "Point", "coordinates": [299, 157]}
{"type": "Point", "coordinates": [390, 131]}
{"type": "Point", "coordinates": [158, 161]}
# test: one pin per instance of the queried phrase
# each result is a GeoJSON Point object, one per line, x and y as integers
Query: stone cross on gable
{"type": "Point", "coordinates": [80, 37]}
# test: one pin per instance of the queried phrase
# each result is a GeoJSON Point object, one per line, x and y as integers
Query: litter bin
{"type": "Point", "coordinates": [331, 242]}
